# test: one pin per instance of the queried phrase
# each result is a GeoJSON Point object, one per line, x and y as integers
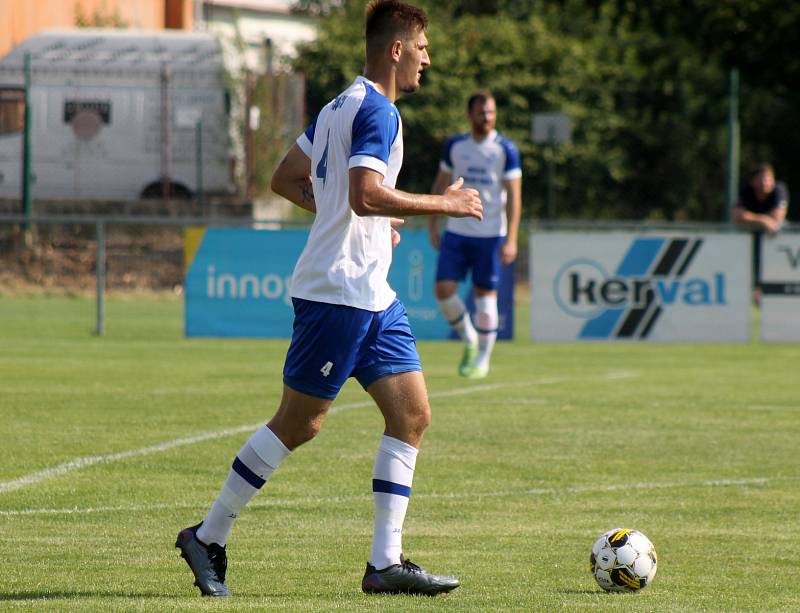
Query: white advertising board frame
{"type": "Point", "coordinates": [640, 287]}
{"type": "Point", "coordinates": [780, 288]}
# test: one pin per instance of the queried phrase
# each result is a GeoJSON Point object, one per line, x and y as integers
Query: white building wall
{"type": "Point", "coordinates": [244, 26]}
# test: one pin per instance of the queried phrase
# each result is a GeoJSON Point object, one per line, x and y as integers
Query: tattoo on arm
{"type": "Point", "coordinates": [307, 191]}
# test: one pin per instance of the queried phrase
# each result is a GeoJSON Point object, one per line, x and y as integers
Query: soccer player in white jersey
{"type": "Point", "coordinates": [490, 163]}
{"type": "Point", "coordinates": [348, 322]}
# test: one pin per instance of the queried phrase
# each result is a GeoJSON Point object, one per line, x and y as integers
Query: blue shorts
{"type": "Point", "coordinates": [480, 254]}
{"type": "Point", "coordinates": [333, 342]}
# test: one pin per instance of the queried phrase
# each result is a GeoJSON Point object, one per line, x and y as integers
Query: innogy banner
{"type": "Point", "coordinates": [238, 283]}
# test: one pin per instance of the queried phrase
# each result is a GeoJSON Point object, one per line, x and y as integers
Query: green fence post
{"type": "Point", "coordinates": [551, 173]}
{"type": "Point", "coordinates": [731, 190]}
{"type": "Point", "coordinates": [26, 147]}
{"type": "Point", "coordinates": [100, 277]}
{"type": "Point", "coordinates": [198, 130]}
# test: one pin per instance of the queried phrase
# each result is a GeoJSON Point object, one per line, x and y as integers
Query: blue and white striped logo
{"type": "Point", "coordinates": [652, 276]}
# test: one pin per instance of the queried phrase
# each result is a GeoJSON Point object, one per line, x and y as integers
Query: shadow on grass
{"type": "Point", "coordinates": [64, 595]}
{"type": "Point", "coordinates": [582, 592]}
{"type": "Point", "coordinates": [42, 595]}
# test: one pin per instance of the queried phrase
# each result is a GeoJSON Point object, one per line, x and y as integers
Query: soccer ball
{"type": "Point", "coordinates": [623, 560]}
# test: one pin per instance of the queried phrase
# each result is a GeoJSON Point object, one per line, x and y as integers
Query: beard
{"type": "Point", "coordinates": [412, 86]}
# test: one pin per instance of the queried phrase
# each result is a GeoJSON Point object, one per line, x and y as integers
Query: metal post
{"type": "Point", "coordinates": [551, 163]}
{"type": "Point", "coordinates": [199, 23]}
{"type": "Point", "coordinates": [100, 277]}
{"type": "Point", "coordinates": [733, 144]}
{"type": "Point", "coordinates": [26, 147]}
{"type": "Point", "coordinates": [249, 135]}
{"type": "Point", "coordinates": [166, 133]}
{"type": "Point", "coordinates": [198, 131]}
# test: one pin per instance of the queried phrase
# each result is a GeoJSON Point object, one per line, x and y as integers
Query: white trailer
{"type": "Point", "coordinates": [117, 115]}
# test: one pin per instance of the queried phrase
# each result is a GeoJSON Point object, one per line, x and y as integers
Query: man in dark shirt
{"type": "Point", "coordinates": [761, 208]}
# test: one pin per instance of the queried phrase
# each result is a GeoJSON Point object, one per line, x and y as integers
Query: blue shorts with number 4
{"type": "Point", "coordinates": [459, 254]}
{"type": "Point", "coordinates": [332, 342]}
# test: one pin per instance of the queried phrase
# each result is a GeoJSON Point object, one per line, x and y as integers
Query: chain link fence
{"type": "Point", "coordinates": [125, 254]}
{"type": "Point", "coordinates": [114, 118]}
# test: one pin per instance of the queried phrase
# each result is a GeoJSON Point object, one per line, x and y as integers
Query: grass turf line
{"type": "Point", "coordinates": [513, 482]}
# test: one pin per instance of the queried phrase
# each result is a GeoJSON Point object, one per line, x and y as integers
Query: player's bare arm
{"type": "Point", "coordinates": [508, 252]}
{"type": "Point", "coordinates": [368, 196]}
{"type": "Point", "coordinates": [292, 179]}
{"type": "Point", "coordinates": [779, 215]}
{"type": "Point", "coordinates": [440, 184]}
{"type": "Point", "coordinates": [769, 222]}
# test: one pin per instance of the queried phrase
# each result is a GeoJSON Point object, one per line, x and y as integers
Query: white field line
{"type": "Point", "coordinates": [367, 496]}
{"type": "Point", "coordinates": [763, 407]}
{"type": "Point", "coordinates": [78, 463]}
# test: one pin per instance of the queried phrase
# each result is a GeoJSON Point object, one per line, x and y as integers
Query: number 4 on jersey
{"type": "Point", "coordinates": [326, 370]}
{"type": "Point", "coordinates": [322, 166]}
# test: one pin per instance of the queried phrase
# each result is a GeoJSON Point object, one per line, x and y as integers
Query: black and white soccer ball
{"type": "Point", "coordinates": [623, 560]}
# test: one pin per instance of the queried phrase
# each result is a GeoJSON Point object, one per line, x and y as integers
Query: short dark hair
{"type": "Point", "coordinates": [389, 19]}
{"type": "Point", "coordinates": [479, 97]}
{"type": "Point", "coordinates": [762, 167]}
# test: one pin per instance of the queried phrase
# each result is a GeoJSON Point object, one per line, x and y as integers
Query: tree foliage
{"type": "Point", "coordinates": [102, 17]}
{"type": "Point", "coordinates": [644, 83]}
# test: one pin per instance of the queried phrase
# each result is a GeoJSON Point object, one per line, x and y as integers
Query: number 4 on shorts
{"type": "Point", "coordinates": [326, 370]}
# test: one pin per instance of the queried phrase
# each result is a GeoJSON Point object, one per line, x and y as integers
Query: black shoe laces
{"type": "Point", "coordinates": [219, 561]}
{"type": "Point", "coordinates": [410, 566]}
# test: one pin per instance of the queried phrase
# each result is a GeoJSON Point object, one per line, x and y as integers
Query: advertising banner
{"type": "Point", "coordinates": [412, 275]}
{"type": "Point", "coordinates": [640, 287]}
{"type": "Point", "coordinates": [238, 283]}
{"type": "Point", "coordinates": [780, 288]}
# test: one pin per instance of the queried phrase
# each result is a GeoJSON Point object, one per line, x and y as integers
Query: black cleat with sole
{"type": "Point", "coordinates": [208, 562]}
{"type": "Point", "coordinates": [406, 578]}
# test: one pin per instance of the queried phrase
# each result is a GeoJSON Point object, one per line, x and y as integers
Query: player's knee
{"type": "Point", "coordinates": [443, 290]}
{"type": "Point", "coordinates": [410, 425]}
{"type": "Point", "coordinates": [293, 433]}
{"type": "Point", "coordinates": [419, 419]}
{"type": "Point", "coordinates": [482, 320]}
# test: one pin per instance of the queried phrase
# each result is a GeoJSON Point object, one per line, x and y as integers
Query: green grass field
{"type": "Point", "coordinates": [111, 445]}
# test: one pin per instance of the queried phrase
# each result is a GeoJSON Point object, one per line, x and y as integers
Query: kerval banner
{"type": "Point", "coordinates": [640, 287]}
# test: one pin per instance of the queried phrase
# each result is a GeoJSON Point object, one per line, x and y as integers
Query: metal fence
{"type": "Point", "coordinates": [86, 253]}
{"type": "Point", "coordinates": [157, 132]}
{"type": "Point", "coordinates": [97, 253]}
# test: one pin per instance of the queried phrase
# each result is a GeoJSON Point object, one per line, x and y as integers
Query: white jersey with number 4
{"type": "Point", "coordinates": [347, 257]}
{"type": "Point", "coordinates": [484, 165]}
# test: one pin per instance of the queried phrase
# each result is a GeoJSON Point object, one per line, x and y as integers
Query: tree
{"type": "Point", "coordinates": [100, 18]}
{"type": "Point", "coordinates": [645, 84]}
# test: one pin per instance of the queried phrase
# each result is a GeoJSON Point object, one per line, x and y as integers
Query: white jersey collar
{"type": "Point", "coordinates": [363, 79]}
{"type": "Point", "coordinates": [487, 139]}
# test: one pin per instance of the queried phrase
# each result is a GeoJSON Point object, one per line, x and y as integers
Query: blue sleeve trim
{"type": "Point", "coordinates": [310, 130]}
{"type": "Point", "coordinates": [512, 155]}
{"type": "Point", "coordinates": [375, 127]}
{"type": "Point", "coordinates": [782, 194]}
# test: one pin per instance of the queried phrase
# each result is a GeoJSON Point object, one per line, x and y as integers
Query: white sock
{"type": "Point", "coordinates": [456, 314]}
{"type": "Point", "coordinates": [391, 489]}
{"type": "Point", "coordinates": [487, 320]}
{"type": "Point", "coordinates": [251, 469]}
